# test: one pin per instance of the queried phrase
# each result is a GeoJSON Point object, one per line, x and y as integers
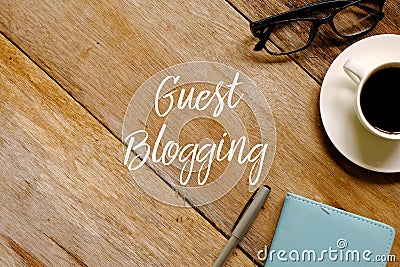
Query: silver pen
{"type": "Point", "coordinates": [243, 225]}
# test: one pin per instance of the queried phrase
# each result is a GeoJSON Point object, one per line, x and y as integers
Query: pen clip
{"type": "Point", "coordinates": [246, 206]}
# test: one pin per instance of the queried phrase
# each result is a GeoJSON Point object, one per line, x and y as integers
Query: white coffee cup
{"type": "Point", "coordinates": [360, 75]}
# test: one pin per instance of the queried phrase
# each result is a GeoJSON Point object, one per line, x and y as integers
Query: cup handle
{"type": "Point", "coordinates": [354, 70]}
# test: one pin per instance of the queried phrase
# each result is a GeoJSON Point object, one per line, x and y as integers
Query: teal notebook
{"type": "Point", "coordinates": [310, 233]}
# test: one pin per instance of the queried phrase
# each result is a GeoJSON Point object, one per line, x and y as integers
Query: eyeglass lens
{"type": "Point", "coordinates": [289, 36]}
{"type": "Point", "coordinates": [354, 20]}
{"type": "Point", "coordinates": [294, 35]}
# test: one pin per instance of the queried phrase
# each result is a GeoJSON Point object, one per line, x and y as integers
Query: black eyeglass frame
{"type": "Point", "coordinates": [258, 27]}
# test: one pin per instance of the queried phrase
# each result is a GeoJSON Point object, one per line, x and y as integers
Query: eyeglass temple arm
{"type": "Point", "coordinates": [299, 12]}
{"type": "Point", "coordinates": [369, 9]}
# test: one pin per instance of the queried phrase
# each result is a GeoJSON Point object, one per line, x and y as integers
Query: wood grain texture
{"type": "Point", "coordinates": [326, 46]}
{"type": "Point", "coordinates": [102, 52]}
{"type": "Point", "coordinates": [129, 42]}
{"type": "Point", "coordinates": [66, 199]}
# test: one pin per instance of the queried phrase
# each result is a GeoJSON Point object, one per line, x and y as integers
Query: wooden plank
{"type": "Point", "coordinates": [326, 46]}
{"type": "Point", "coordinates": [120, 39]}
{"type": "Point", "coordinates": [66, 199]}
{"type": "Point", "coordinates": [102, 52]}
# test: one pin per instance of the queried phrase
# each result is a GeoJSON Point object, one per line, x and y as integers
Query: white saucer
{"type": "Point", "coordinates": [337, 102]}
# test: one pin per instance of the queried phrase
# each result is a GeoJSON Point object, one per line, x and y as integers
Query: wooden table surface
{"type": "Point", "coordinates": [68, 71]}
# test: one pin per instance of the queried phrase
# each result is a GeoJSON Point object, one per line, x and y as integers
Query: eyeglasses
{"type": "Point", "coordinates": [295, 30]}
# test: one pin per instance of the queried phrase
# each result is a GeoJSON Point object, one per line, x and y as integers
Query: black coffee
{"type": "Point", "coordinates": [380, 100]}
